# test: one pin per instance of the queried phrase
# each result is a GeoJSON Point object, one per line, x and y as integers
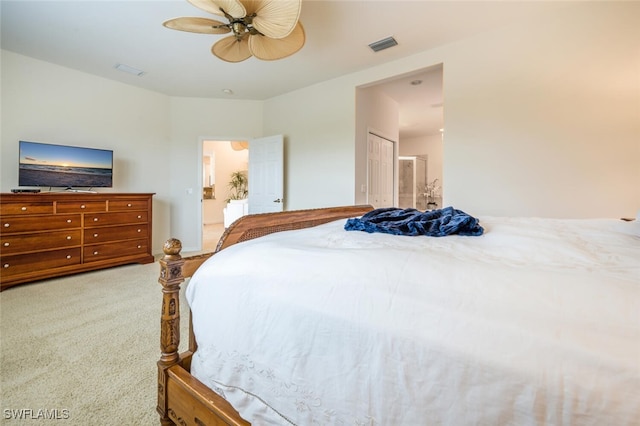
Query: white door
{"type": "Point", "coordinates": [266, 164]}
{"type": "Point", "coordinates": [373, 169]}
{"type": "Point", "coordinates": [380, 160]}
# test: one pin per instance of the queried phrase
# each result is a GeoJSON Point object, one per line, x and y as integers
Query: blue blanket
{"type": "Point", "coordinates": [435, 223]}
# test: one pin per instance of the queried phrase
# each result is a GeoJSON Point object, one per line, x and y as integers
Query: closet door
{"type": "Point", "coordinates": [380, 173]}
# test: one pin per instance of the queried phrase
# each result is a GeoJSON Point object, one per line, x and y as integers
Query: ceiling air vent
{"type": "Point", "coordinates": [130, 70]}
{"type": "Point", "coordinates": [385, 43]}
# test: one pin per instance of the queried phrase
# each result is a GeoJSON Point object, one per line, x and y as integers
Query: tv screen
{"type": "Point", "coordinates": [64, 166]}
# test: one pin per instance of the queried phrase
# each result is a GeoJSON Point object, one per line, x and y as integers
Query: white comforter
{"type": "Point", "coordinates": [535, 322]}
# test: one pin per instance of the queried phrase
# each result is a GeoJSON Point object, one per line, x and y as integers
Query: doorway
{"type": "Point", "coordinates": [412, 107]}
{"type": "Point", "coordinates": [412, 182]}
{"type": "Point", "coordinates": [220, 159]}
{"type": "Point", "coordinates": [261, 161]}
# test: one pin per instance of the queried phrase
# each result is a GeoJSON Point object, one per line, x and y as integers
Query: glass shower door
{"type": "Point", "coordinates": [421, 183]}
{"type": "Point", "coordinates": [412, 182]}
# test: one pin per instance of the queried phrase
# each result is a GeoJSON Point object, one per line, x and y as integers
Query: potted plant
{"type": "Point", "coordinates": [432, 189]}
{"type": "Point", "coordinates": [238, 186]}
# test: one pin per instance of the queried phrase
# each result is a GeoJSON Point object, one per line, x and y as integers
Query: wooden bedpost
{"type": "Point", "coordinates": [170, 278]}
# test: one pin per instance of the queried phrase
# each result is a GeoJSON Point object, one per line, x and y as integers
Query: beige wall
{"type": "Point", "coordinates": [43, 102]}
{"type": "Point", "coordinates": [156, 139]}
{"type": "Point", "coordinates": [194, 120]}
{"type": "Point", "coordinates": [318, 144]}
{"type": "Point", "coordinates": [541, 118]}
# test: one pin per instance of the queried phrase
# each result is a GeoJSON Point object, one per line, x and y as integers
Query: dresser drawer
{"type": "Point", "coordinates": [80, 206]}
{"type": "Point", "coordinates": [106, 219]}
{"type": "Point", "coordinates": [115, 250]}
{"type": "Point", "coordinates": [128, 232]}
{"type": "Point", "coordinates": [26, 208]}
{"type": "Point", "coordinates": [124, 205]}
{"type": "Point", "coordinates": [10, 244]}
{"type": "Point", "coordinates": [23, 263]}
{"type": "Point", "coordinates": [14, 224]}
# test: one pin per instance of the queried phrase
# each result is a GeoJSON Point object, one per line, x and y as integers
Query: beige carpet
{"type": "Point", "coordinates": [83, 347]}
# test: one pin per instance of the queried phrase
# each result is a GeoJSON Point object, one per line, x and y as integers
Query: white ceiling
{"type": "Point", "coordinates": [93, 36]}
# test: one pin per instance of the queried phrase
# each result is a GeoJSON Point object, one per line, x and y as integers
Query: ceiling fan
{"type": "Point", "coordinates": [266, 29]}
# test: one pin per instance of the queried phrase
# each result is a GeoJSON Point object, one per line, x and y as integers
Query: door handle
{"type": "Point", "coordinates": [279, 200]}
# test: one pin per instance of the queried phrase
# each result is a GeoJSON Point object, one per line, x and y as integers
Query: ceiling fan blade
{"type": "Point", "coordinates": [232, 7]}
{"type": "Point", "coordinates": [231, 49]}
{"type": "Point", "coordinates": [197, 25]}
{"type": "Point", "coordinates": [274, 18]}
{"type": "Point", "coordinates": [269, 49]}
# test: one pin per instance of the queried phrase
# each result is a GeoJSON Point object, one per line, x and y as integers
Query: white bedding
{"type": "Point", "coordinates": [535, 322]}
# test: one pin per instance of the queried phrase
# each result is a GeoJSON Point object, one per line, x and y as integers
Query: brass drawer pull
{"type": "Point", "coordinates": [68, 220]}
{"type": "Point", "coordinates": [6, 225]}
{"type": "Point", "coordinates": [95, 253]}
{"type": "Point", "coordinates": [139, 217]}
{"type": "Point", "coordinates": [139, 230]}
{"type": "Point", "coordinates": [6, 265]}
{"type": "Point", "coordinates": [95, 235]}
{"type": "Point", "coordinates": [24, 209]}
{"type": "Point", "coordinates": [139, 246]}
{"type": "Point", "coordinates": [68, 256]}
{"type": "Point", "coordinates": [68, 237]}
{"type": "Point", "coordinates": [83, 206]}
{"type": "Point", "coordinates": [6, 244]}
{"type": "Point", "coordinates": [129, 205]}
{"type": "Point", "coordinates": [95, 219]}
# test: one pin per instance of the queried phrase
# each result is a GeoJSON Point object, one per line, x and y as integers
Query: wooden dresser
{"type": "Point", "coordinates": [52, 234]}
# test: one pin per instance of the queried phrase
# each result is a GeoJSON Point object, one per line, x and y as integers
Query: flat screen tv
{"type": "Point", "coordinates": [64, 166]}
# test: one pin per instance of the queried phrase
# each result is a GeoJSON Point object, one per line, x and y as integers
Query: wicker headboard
{"type": "Point", "coordinates": [258, 225]}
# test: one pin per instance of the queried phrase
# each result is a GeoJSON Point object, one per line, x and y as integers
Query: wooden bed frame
{"type": "Point", "coordinates": [182, 399]}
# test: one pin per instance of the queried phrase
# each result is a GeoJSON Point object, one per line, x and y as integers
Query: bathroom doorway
{"type": "Point", "coordinates": [220, 159]}
{"type": "Point", "coordinates": [419, 105]}
{"type": "Point", "coordinates": [412, 181]}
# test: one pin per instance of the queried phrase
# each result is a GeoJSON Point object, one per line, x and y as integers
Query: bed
{"type": "Point", "coordinates": [295, 320]}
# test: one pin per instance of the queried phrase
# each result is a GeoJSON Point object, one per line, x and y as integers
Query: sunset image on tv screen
{"type": "Point", "coordinates": [64, 166]}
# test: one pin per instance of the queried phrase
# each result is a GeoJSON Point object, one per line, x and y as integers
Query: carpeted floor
{"type": "Point", "coordinates": [83, 348]}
